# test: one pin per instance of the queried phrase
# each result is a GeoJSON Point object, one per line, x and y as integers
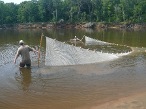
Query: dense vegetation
{"type": "Point", "coordinates": [73, 11]}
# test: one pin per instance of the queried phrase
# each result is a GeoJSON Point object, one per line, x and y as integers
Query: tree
{"type": "Point", "coordinates": [11, 13]}
{"type": "Point", "coordinates": [2, 12]}
{"type": "Point", "coordinates": [73, 11]}
{"type": "Point", "coordinates": [97, 9]}
{"type": "Point", "coordinates": [28, 12]}
{"type": "Point", "coordinates": [46, 10]}
{"type": "Point", "coordinates": [55, 4]}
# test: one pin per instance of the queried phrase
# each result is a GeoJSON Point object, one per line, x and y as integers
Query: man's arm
{"type": "Point", "coordinates": [17, 55]}
{"type": "Point", "coordinates": [35, 51]}
{"type": "Point", "coordinates": [15, 59]}
{"type": "Point", "coordinates": [31, 49]}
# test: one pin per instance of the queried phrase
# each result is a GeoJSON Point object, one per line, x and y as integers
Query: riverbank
{"type": "Point", "coordinates": [136, 101]}
{"type": "Point", "coordinates": [81, 25]}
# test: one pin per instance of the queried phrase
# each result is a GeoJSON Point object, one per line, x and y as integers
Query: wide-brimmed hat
{"type": "Point", "coordinates": [21, 42]}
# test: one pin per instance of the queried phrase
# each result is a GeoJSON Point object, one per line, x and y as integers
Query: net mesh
{"type": "Point", "coordinates": [91, 41]}
{"type": "Point", "coordinates": [107, 47]}
{"type": "Point", "coordinates": [60, 54]}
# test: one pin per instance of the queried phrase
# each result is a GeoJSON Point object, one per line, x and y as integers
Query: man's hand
{"type": "Point", "coordinates": [14, 61]}
{"type": "Point", "coordinates": [35, 51]}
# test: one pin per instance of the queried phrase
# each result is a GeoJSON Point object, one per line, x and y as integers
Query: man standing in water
{"type": "Point", "coordinates": [23, 50]}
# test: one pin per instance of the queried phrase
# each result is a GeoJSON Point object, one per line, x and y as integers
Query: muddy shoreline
{"type": "Point", "coordinates": [94, 25]}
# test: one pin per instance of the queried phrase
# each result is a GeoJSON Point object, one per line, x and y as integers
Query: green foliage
{"type": "Point", "coordinates": [73, 11]}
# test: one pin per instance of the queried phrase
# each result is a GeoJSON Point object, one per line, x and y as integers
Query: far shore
{"type": "Point", "coordinates": [81, 25]}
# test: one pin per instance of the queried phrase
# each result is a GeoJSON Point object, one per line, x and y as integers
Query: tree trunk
{"type": "Point", "coordinates": [79, 6]}
{"type": "Point", "coordinates": [56, 14]}
{"type": "Point", "coordinates": [71, 13]}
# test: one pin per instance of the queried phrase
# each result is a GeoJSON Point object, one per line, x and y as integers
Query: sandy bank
{"type": "Point", "coordinates": [136, 101]}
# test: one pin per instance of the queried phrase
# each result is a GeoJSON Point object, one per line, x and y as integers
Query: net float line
{"type": "Point", "coordinates": [90, 41]}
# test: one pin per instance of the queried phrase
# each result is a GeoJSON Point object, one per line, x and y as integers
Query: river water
{"type": "Point", "coordinates": [70, 87]}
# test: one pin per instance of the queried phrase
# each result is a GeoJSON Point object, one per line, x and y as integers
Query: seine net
{"type": "Point", "coordinates": [91, 41]}
{"type": "Point", "coordinates": [60, 54]}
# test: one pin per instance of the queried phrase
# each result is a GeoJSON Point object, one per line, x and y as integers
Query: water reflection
{"type": "Point", "coordinates": [24, 78]}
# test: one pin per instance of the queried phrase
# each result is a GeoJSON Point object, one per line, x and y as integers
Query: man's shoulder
{"type": "Point", "coordinates": [26, 46]}
{"type": "Point", "coordinates": [23, 47]}
{"type": "Point", "coordinates": [20, 47]}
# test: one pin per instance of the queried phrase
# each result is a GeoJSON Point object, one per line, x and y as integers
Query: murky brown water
{"type": "Point", "coordinates": [69, 87]}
